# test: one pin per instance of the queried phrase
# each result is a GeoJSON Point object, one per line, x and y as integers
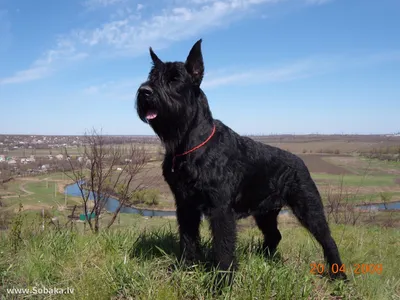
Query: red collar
{"type": "Point", "coordinates": [193, 149]}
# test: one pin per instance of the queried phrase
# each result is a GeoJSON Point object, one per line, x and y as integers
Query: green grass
{"type": "Point", "coordinates": [55, 176]}
{"type": "Point", "coordinates": [374, 197]}
{"type": "Point", "coordinates": [12, 188]}
{"type": "Point", "coordinates": [43, 195]}
{"type": "Point", "coordinates": [133, 262]}
{"type": "Point", "coordinates": [356, 180]}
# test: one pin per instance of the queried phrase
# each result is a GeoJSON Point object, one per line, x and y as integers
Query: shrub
{"type": "Point", "coordinates": [148, 197]}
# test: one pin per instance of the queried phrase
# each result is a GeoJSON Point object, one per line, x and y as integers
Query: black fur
{"type": "Point", "coordinates": [231, 176]}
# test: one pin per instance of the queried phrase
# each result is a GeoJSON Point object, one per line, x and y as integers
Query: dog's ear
{"type": "Point", "coordinates": [194, 63]}
{"type": "Point", "coordinates": [154, 58]}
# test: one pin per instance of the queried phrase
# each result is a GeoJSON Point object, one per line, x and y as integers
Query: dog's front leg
{"type": "Point", "coordinates": [189, 222]}
{"type": "Point", "coordinates": [223, 227]}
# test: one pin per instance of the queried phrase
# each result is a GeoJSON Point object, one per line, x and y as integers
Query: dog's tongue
{"type": "Point", "coordinates": [151, 114]}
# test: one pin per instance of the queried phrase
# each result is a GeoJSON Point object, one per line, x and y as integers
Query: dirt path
{"type": "Point", "coordinates": [22, 188]}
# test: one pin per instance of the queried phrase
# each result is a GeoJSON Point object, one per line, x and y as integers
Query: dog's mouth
{"type": "Point", "coordinates": [151, 114]}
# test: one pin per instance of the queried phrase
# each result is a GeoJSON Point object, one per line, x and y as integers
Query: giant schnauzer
{"type": "Point", "coordinates": [212, 170]}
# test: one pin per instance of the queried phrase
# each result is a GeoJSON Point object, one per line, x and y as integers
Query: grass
{"type": "Point", "coordinates": [55, 176]}
{"type": "Point", "coordinates": [12, 189]}
{"type": "Point", "coordinates": [373, 197]}
{"type": "Point", "coordinates": [43, 196]}
{"type": "Point", "coordinates": [133, 261]}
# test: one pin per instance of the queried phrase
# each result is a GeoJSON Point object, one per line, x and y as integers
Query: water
{"type": "Point", "coordinates": [381, 206]}
{"type": "Point", "coordinates": [112, 205]}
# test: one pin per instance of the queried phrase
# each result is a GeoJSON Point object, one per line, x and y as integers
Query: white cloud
{"type": "Point", "coordinates": [304, 68]}
{"type": "Point", "coordinates": [133, 34]}
{"type": "Point", "coordinates": [114, 90]}
{"type": "Point", "coordinates": [92, 4]}
{"type": "Point", "coordinates": [139, 7]}
{"type": "Point", "coordinates": [296, 70]}
{"type": "Point", "coordinates": [317, 2]}
{"type": "Point", "coordinates": [26, 75]}
{"type": "Point", "coordinates": [125, 89]}
{"type": "Point", "coordinates": [64, 52]}
{"type": "Point", "coordinates": [130, 32]}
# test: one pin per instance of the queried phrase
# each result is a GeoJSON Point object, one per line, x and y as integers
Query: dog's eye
{"type": "Point", "coordinates": [173, 79]}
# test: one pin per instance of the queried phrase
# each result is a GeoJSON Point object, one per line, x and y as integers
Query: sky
{"type": "Point", "coordinates": [271, 66]}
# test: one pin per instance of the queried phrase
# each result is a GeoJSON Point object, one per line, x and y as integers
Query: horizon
{"type": "Point", "coordinates": [272, 67]}
{"type": "Point", "coordinates": [396, 134]}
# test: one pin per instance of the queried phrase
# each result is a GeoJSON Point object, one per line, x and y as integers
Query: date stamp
{"type": "Point", "coordinates": [354, 268]}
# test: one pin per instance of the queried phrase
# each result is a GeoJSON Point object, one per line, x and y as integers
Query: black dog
{"type": "Point", "coordinates": [211, 170]}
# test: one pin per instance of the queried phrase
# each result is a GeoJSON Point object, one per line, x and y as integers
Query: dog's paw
{"type": "Point", "coordinates": [338, 276]}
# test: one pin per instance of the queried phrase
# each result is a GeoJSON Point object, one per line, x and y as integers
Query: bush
{"type": "Point", "coordinates": [148, 197]}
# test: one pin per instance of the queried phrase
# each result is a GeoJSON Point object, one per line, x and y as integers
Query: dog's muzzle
{"type": "Point", "coordinates": [145, 90]}
{"type": "Point", "coordinates": [144, 94]}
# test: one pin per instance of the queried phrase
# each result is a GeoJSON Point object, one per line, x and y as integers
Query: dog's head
{"type": "Point", "coordinates": [171, 97]}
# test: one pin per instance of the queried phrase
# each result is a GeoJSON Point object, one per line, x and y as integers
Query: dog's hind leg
{"type": "Point", "coordinates": [268, 224]}
{"type": "Point", "coordinates": [307, 206]}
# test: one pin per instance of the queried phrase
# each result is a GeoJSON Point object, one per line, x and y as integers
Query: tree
{"type": "Point", "coordinates": [102, 170]}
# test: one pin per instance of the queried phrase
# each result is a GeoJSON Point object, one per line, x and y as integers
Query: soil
{"type": "Point", "coordinates": [316, 164]}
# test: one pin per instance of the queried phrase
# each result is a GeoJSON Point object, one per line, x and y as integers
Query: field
{"type": "Point", "coordinates": [133, 258]}
{"type": "Point", "coordinates": [338, 164]}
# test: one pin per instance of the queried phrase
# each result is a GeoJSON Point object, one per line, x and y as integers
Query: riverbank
{"type": "Point", "coordinates": [140, 207]}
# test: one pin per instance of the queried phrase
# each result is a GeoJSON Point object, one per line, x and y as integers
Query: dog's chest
{"type": "Point", "coordinates": [189, 185]}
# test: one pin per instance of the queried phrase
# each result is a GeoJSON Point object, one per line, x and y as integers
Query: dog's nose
{"type": "Point", "coordinates": [145, 89]}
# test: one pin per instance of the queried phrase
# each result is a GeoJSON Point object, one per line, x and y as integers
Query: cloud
{"type": "Point", "coordinates": [293, 71]}
{"type": "Point", "coordinates": [317, 2]}
{"type": "Point", "coordinates": [139, 6]}
{"type": "Point", "coordinates": [63, 52]}
{"type": "Point", "coordinates": [305, 68]}
{"type": "Point", "coordinates": [114, 90]}
{"type": "Point", "coordinates": [133, 33]}
{"type": "Point", "coordinates": [26, 75]}
{"type": "Point", "coordinates": [125, 89]}
{"type": "Point", "coordinates": [129, 32]}
{"type": "Point", "coordinates": [93, 4]}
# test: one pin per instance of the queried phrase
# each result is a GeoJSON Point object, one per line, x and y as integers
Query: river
{"type": "Point", "coordinates": [112, 204]}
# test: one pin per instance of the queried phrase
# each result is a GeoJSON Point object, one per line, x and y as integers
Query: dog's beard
{"type": "Point", "coordinates": [160, 108]}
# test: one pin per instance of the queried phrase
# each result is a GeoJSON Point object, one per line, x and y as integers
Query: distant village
{"type": "Point", "coordinates": [25, 155]}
